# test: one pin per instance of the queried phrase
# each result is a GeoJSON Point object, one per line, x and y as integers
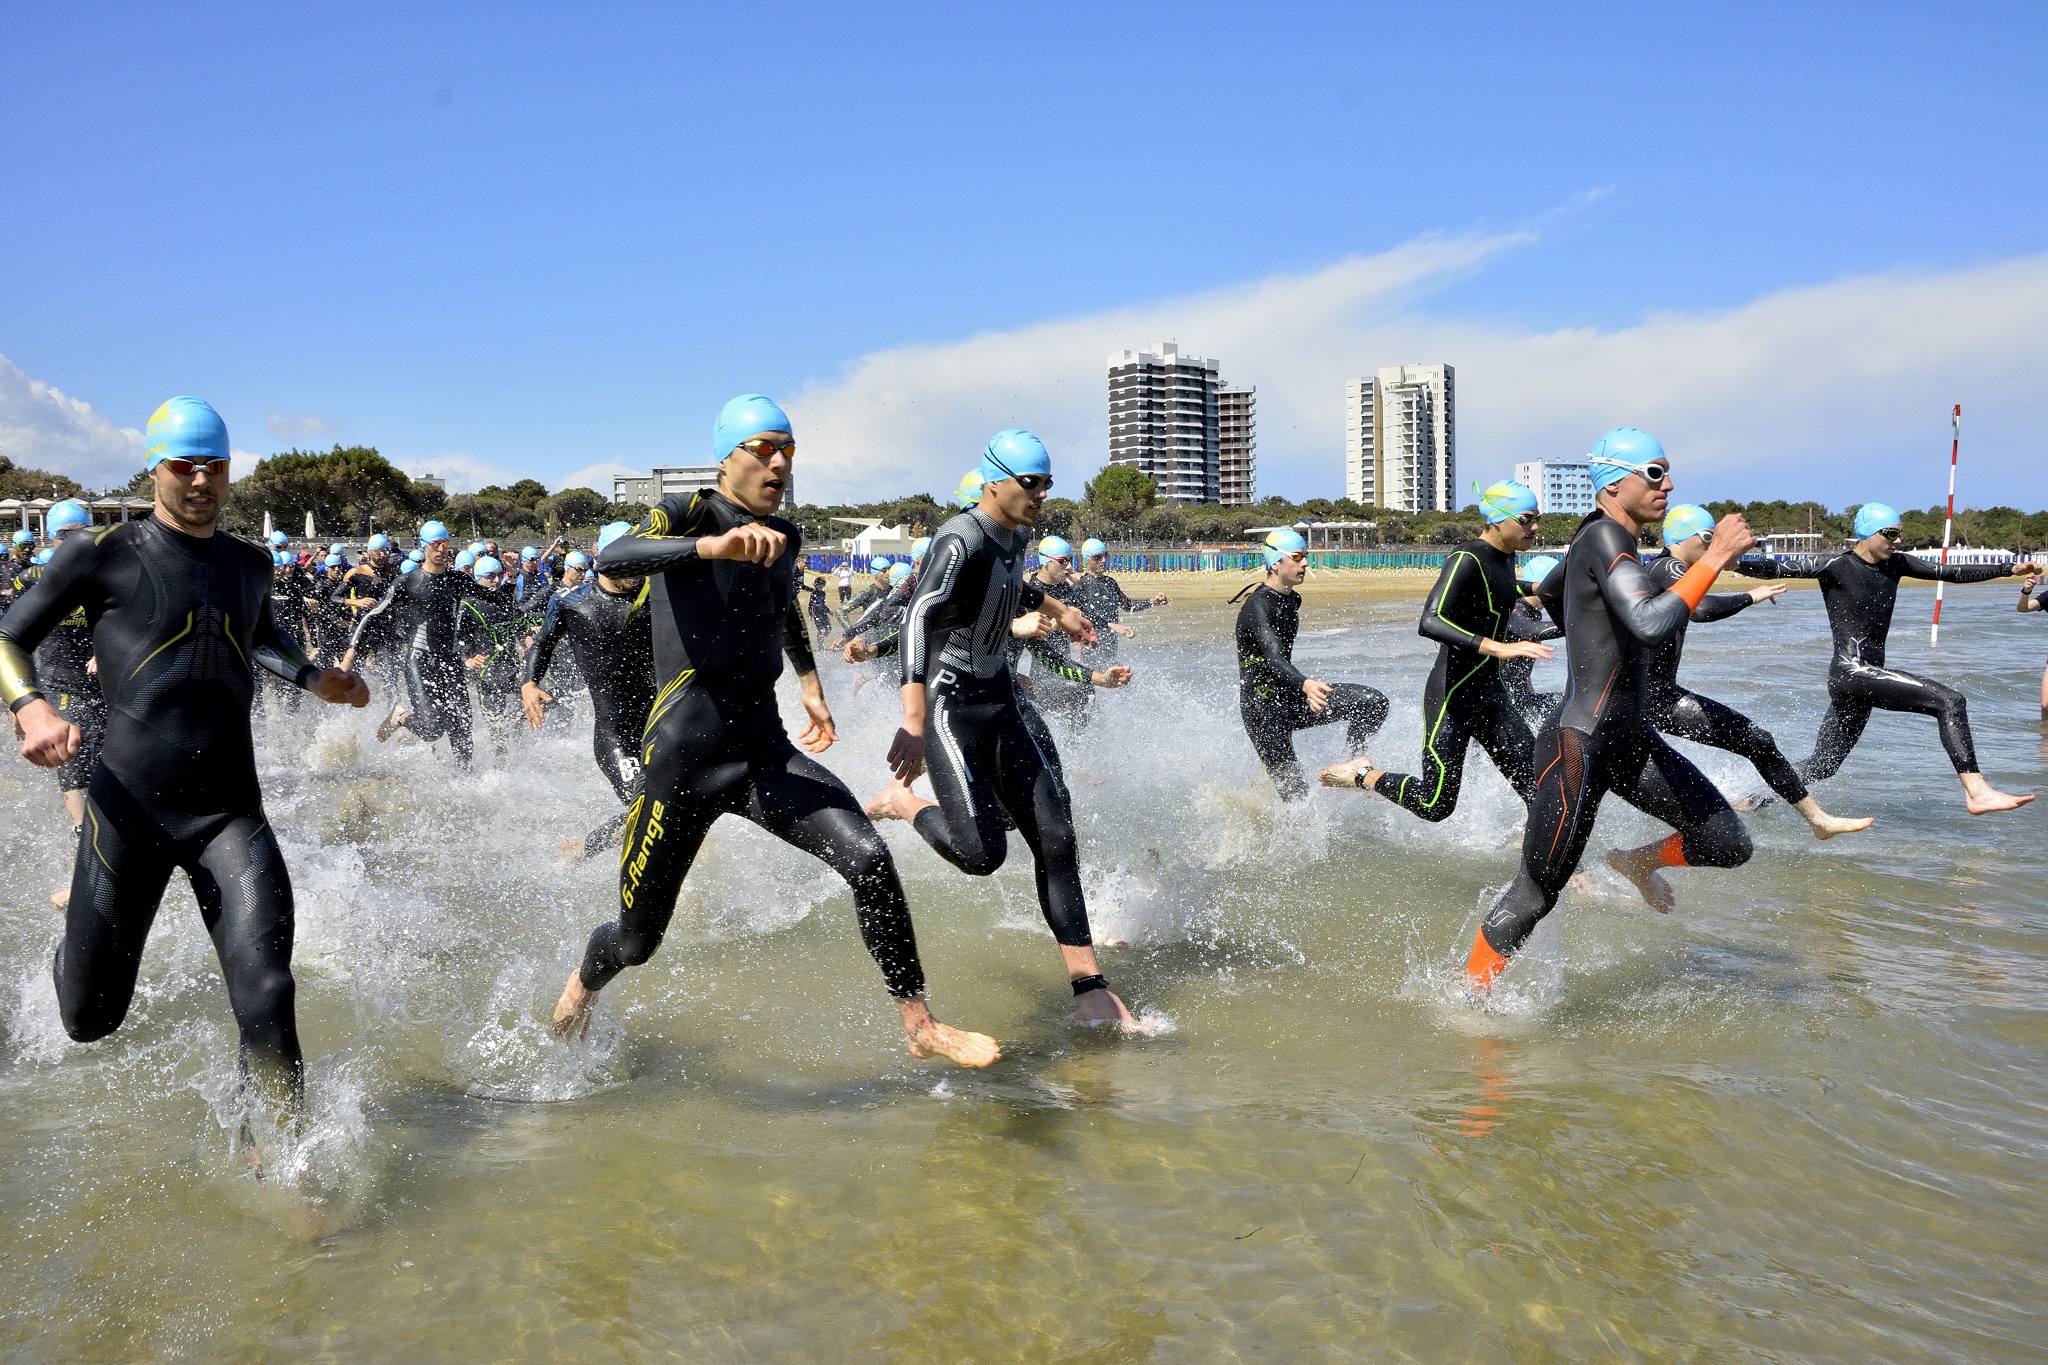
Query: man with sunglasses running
{"type": "Point", "coordinates": [1601, 739]}
{"type": "Point", "coordinates": [180, 619]}
{"type": "Point", "coordinates": [958, 690]}
{"type": "Point", "coordinates": [723, 568]}
{"type": "Point", "coordinates": [1860, 588]}
{"type": "Point", "coordinates": [1468, 613]}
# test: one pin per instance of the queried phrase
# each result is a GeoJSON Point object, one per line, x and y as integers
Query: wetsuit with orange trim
{"type": "Point", "coordinates": [1464, 698]}
{"type": "Point", "coordinates": [1602, 740]}
{"type": "Point", "coordinates": [180, 625]}
{"type": "Point", "coordinates": [714, 743]}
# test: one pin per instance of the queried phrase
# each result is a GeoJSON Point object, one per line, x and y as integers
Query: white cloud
{"type": "Point", "coordinates": [298, 431]}
{"type": "Point", "coordinates": [598, 477]}
{"type": "Point", "coordinates": [41, 427]}
{"type": "Point", "coordinates": [463, 473]}
{"type": "Point", "coordinates": [1852, 378]}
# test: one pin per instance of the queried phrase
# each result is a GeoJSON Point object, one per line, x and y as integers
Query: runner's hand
{"type": "Point", "coordinates": [1318, 693]}
{"type": "Point", "coordinates": [820, 734]}
{"type": "Point", "coordinates": [752, 543]}
{"type": "Point", "coordinates": [340, 686]}
{"type": "Point", "coordinates": [533, 700]}
{"type": "Point", "coordinates": [906, 755]}
{"type": "Point", "coordinates": [47, 739]}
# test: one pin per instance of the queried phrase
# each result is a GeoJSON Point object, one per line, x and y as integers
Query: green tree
{"type": "Point", "coordinates": [574, 507]}
{"type": "Point", "coordinates": [18, 482]}
{"type": "Point", "coordinates": [1119, 495]}
{"type": "Point", "coordinates": [346, 489]}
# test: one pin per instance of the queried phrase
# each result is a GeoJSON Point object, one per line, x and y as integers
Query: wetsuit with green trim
{"type": "Point", "coordinates": [1688, 715]}
{"type": "Point", "coordinates": [1860, 597]}
{"type": "Point", "coordinates": [611, 637]}
{"type": "Point", "coordinates": [1269, 695]}
{"type": "Point", "coordinates": [1060, 685]}
{"type": "Point", "coordinates": [1601, 739]}
{"type": "Point", "coordinates": [1528, 623]}
{"type": "Point", "coordinates": [418, 618]}
{"type": "Point", "coordinates": [714, 743]}
{"type": "Point", "coordinates": [179, 624]}
{"type": "Point", "coordinates": [489, 624]}
{"type": "Point", "coordinates": [984, 762]}
{"type": "Point", "coordinates": [1464, 699]}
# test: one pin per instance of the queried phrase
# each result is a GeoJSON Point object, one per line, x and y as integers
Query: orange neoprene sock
{"type": "Point", "coordinates": [1672, 851]}
{"type": "Point", "coordinates": [1484, 964]}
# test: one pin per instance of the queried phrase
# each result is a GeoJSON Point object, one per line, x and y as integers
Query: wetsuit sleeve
{"type": "Point", "coordinates": [1912, 566]}
{"type": "Point", "coordinates": [1031, 597]}
{"type": "Point", "coordinates": [534, 666]}
{"type": "Point", "coordinates": [1267, 641]}
{"type": "Point", "coordinates": [1436, 623]}
{"type": "Point", "coordinates": [374, 627]}
{"type": "Point", "coordinates": [1550, 593]}
{"type": "Point", "coordinates": [1789, 566]}
{"type": "Point", "coordinates": [666, 538]}
{"type": "Point", "coordinates": [943, 564]}
{"type": "Point", "coordinates": [876, 611]}
{"type": "Point", "coordinates": [1058, 664]}
{"type": "Point", "coordinates": [1525, 627]}
{"type": "Point", "coordinates": [796, 641]}
{"type": "Point", "coordinates": [1643, 608]}
{"type": "Point", "coordinates": [62, 587]}
{"type": "Point", "coordinates": [277, 650]}
{"type": "Point", "coordinates": [1130, 603]}
{"type": "Point", "coordinates": [1718, 606]}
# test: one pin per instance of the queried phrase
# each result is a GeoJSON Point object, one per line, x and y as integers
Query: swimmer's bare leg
{"type": "Point", "coordinates": [1101, 1005]}
{"type": "Point", "coordinates": [1827, 826]}
{"type": "Point", "coordinates": [572, 851]}
{"type": "Point", "coordinates": [1982, 798]}
{"type": "Point", "coordinates": [400, 714]}
{"type": "Point", "coordinates": [1645, 867]}
{"type": "Point", "coordinates": [572, 1011]}
{"type": "Point", "coordinates": [1352, 772]}
{"type": "Point", "coordinates": [898, 802]}
{"type": "Point", "coordinates": [927, 1037]}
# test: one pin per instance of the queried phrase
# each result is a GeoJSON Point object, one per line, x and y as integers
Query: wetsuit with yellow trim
{"type": "Point", "coordinates": [69, 685]}
{"type": "Point", "coordinates": [418, 619]}
{"type": "Point", "coordinates": [1269, 695]}
{"type": "Point", "coordinates": [179, 624]}
{"type": "Point", "coordinates": [1601, 739]}
{"type": "Point", "coordinates": [714, 743]}
{"type": "Point", "coordinates": [611, 638]}
{"type": "Point", "coordinates": [1464, 699]}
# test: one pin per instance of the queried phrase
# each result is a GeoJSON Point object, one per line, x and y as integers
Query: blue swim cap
{"type": "Point", "coordinates": [1011, 452]}
{"type": "Point", "coordinates": [1505, 501]}
{"type": "Point", "coordinates": [407, 567]}
{"type": "Point", "coordinates": [1873, 517]}
{"type": "Point", "coordinates": [67, 515]}
{"type": "Point", "coordinates": [475, 547]}
{"type": "Point", "coordinates": [1683, 522]}
{"type": "Point", "coordinates": [1282, 543]}
{"type": "Point", "coordinates": [1054, 547]}
{"type": "Point", "coordinates": [24, 537]}
{"type": "Point", "coordinates": [750, 414]}
{"type": "Point", "coordinates": [611, 531]}
{"type": "Point", "coordinates": [431, 532]}
{"type": "Point", "coordinates": [415, 555]}
{"type": "Point", "coordinates": [184, 429]}
{"type": "Point", "coordinates": [1616, 455]}
{"type": "Point", "coordinates": [880, 564]}
{"type": "Point", "coordinates": [919, 548]}
{"type": "Point", "coordinates": [1092, 548]}
{"type": "Point", "coordinates": [337, 548]}
{"type": "Point", "coordinates": [1539, 568]}
{"type": "Point", "coordinates": [464, 559]}
{"type": "Point", "coordinates": [486, 566]}
{"type": "Point", "coordinates": [577, 560]}
{"type": "Point", "coordinates": [529, 553]}
{"type": "Point", "coordinates": [968, 492]}
{"type": "Point", "coordinates": [899, 574]}
{"type": "Point", "coordinates": [332, 561]}
{"type": "Point", "coordinates": [44, 556]}
{"type": "Point", "coordinates": [380, 541]}
{"type": "Point", "coordinates": [277, 540]}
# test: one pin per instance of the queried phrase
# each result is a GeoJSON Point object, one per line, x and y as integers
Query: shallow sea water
{"type": "Point", "coordinates": [1802, 1118]}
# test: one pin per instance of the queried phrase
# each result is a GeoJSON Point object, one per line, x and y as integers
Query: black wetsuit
{"type": "Point", "coordinates": [69, 686]}
{"type": "Point", "coordinates": [1688, 715]}
{"type": "Point", "coordinates": [714, 743]}
{"type": "Point", "coordinates": [1060, 683]}
{"type": "Point", "coordinates": [418, 617]}
{"type": "Point", "coordinates": [1860, 597]}
{"type": "Point", "coordinates": [531, 589]}
{"type": "Point", "coordinates": [820, 613]}
{"type": "Point", "coordinates": [979, 751]}
{"type": "Point", "coordinates": [179, 626]}
{"type": "Point", "coordinates": [1528, 622]}
{"type": "Point", "coordinates": [489, 624]}
{"type": "Point", "coordinates": [1601, 739]}
{"type": "Point", "coordinates": [1269, 695]}
{"type": "Point", "coordinates": [1102, 600]}
{"type": "Point", "coordinates": [611, 638]}
{"type": "Point", "coordinates": [1464, 699]}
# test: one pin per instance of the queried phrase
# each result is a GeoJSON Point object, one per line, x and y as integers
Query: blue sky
{"type": "Point", "coordinates": [510, 240]}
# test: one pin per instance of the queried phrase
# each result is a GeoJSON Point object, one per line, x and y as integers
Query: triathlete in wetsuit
{"type": "Point", "coordinates": [1688, 531]}
{"type": "Point", "coordinates": [1275, 698]}
{"type": "Point", "coordinates": [1467, 613]}
{"type": "Point", "coordinates": [487, 635]}
{"type": "Point", "coordinates": [820, 612]}
{"type": "Point", "coordinates": [725, 613]}
{"type": "Point", "coordinates": [1064, 688]}
{"type": "Point", "coordinates": [1601, 739]}
{"type": "Point", "coordinates": [1104, 601]}
{"type": "Point", "coordinates": [418, 616]}
{"type": "Point", "coordinates": [180, 620]}
{"type": "Point", "coordinates": [610, 634]}
{"type": "Point", "coordinates": [1529, 623]}
{"type": "Point", "coordinates": [1860, 588]}
{"type": "Point", "coordinates": [64, 670]}
{"type": "Point", "coordinates": [962, 721]}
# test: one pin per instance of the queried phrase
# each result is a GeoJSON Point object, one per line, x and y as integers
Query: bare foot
{"type": "Point", "coordinates": [1352, 772]}
{"type": "Point", "coordinates": [897, 802]}
{"type": "Point", "coordinates": [572, 851]}
{"type": "Point", "coordinates": [572, 1011]}
{"type": "Point", "coordinates": [1101, 1006]}
{"type": "Point", "coordinates": [1645, 868]}
{"type": "Point", "coordinates": [61, 897]}
{"type": "Point", "coordinates": [1981, 798]}
{"type": "Point", "coordinates": [1828, 826]}
{"type": "Point", "coordinates": [935, 1039]}
{"type": "Point", "coordinates": [400, 714]}
{"type": "Point", "coordinates": [1580, 881]}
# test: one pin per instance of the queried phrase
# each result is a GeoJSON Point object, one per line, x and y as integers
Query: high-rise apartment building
{"type": "Point", "coordinates": [1237, 458]}
{"type": "Point", "coordinates": [1561, 486]}
{"type": "Point", "coordinates": [1400, 439]}
{"type": "Point", "coordinates": [1165, 420]}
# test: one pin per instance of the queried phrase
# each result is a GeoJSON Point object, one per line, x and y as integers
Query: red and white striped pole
{"type": "Point", "coordinates": [1955, 442]}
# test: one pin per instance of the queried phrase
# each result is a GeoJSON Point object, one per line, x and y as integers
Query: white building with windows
{"type": "Point", "coordinates": [1165, 420]}
{"type": "Point", "coordinates": [669, 480]}
{"type": "Point", "coordinates": [1561, 486]}
{"type": "Point", "coordinates": [1237, 461]}
{"type": "Point", "coordinates": [1400, 438]}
